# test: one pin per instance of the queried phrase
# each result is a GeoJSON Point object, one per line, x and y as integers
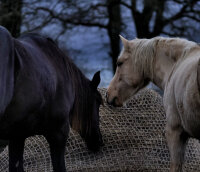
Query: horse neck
{"type": "Point", "coordinates": [168, 53]}
{"type": "Point", "coordinates": [82, 106]}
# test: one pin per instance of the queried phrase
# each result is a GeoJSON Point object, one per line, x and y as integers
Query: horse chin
{"type": "Point", "coordinates": [118, 104]}
{"type": "Point", "coordinates": [123, 101]}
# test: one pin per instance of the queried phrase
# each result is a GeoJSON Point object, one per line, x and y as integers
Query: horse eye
{"type": "Point", "coordinates": [119, 63]}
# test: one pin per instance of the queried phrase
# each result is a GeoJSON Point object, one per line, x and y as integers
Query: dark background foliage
{"type": "Point", "coordinates": [88, 30]}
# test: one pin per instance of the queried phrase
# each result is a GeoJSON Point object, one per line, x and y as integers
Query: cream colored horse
{"type": "Point", "coordinates": [173, 65]}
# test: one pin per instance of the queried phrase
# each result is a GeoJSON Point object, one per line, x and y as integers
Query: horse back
{"type": "Point", "coordinates": [48, 64]}
{"type": "Point", "coordinates": [41, 58]}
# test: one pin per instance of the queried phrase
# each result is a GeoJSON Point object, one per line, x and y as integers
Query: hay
{"type": "Point", "coordinates": [134, 140]}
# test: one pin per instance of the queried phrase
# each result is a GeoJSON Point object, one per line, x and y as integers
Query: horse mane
{"type": "Point", "coordinates": [144, 51]}
{"type": "Point", "coordinates": [180, 42]}
{"type": "Point", "coordinates": [81, 114]}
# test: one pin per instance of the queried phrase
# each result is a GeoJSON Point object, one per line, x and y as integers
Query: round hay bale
{"type": "Point", "coordinates": [134, 138]}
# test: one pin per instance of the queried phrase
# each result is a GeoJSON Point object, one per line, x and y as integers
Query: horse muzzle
{"type": "Point", "coordinates": [114, 101]}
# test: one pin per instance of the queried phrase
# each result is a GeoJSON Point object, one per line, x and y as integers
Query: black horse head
{"type": "Point", "coordinates": [86, 121]}
{"type": "Point", "coordinates": [92, 135]}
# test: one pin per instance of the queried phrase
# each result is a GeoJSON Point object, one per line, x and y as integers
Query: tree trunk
{"type": "Point", "coordinates": [114, 29]}
{"type": "Point", "coordinates": [10, 15]}
{"type": "Point", "coordinates": [143, 19]}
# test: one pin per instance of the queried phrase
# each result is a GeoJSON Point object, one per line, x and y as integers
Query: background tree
{"type": "Point", "coordinates": [150, 18]}
{"type": "Point", "coordinates": [102, 14]}
{"type": "Point", "coordinates": [169, 17]}
{"type": "Point", "coordinates": [114, 29]}
{"type": "Point", "coordinates": [10, 15]}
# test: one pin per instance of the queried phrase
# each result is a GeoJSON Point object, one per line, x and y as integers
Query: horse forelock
{"type": "Point", "coordinates": [143, 54]}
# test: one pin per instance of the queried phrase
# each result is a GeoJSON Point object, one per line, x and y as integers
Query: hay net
{"type": "Point", "coordinates": [134, 140]}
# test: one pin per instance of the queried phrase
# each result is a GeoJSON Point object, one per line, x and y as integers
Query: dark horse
{"type": "Point", "coordinates": [43, 92]}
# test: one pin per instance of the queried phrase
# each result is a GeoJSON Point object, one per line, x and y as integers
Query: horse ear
{"type": "Point", "coordinates": [96, 80]}
{"type": "Point", "coordinates": [124, 41]}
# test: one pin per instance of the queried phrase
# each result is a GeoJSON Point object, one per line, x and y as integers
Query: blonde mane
{"type": "Point", "coordinates": [144, 51]}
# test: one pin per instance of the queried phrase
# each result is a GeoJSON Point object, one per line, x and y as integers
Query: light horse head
{"type": "Point", "coordinates": [132, 73]}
